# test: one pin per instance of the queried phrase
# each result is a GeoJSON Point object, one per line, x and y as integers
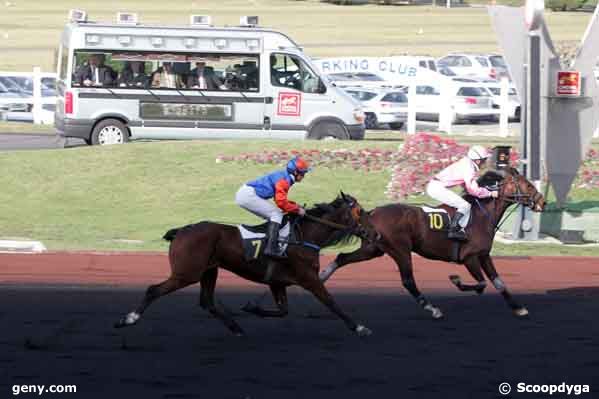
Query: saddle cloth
{"type": "Point", "coordinates": [438, 218]}
{"type": "Point", "coordinates": [254, 239]}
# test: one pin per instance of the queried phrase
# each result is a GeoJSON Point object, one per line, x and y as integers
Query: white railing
{"type": "Point", "coordinates": [36, 98]}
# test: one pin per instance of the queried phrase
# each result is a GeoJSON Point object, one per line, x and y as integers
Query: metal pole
{"type": "Point", "coordinates": [534, 117]}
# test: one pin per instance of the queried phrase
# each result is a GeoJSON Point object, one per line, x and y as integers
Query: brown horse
{"type": "Point", "coordinates": [197, 251]}
{"type": "Point", "coordinates": [404, 229]}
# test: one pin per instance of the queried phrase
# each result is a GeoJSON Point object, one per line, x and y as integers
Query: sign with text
{"type": "Point", "coordinates": [289, 104]}
{"type": "Point", "coordinates": [568, 83]}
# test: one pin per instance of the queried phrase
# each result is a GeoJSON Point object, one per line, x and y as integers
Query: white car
{"type": "Point", "coordinates": [494, 87]}
{"type": "Point", "coordinates": [469, 102]}
{"type": "Point", "coordinates": [381, 106]}
{"type": "Point", "coordinates": [482, 65]}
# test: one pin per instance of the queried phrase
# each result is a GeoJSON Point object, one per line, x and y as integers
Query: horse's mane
{"type": "Point", "coordinates": [489, 178]}
{"type": "Point", "coordinates": [339, 236]}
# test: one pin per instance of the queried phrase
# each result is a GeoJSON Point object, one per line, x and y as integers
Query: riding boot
{"type": "Point", "coordinates": [273, 249]}
{"type": "Point", "coordinates": [456, 232]}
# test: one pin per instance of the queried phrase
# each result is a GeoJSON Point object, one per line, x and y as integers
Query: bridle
{"type": "Point", "coordinates": [519, 197]}
{"type": "Point", "coordinates": [357, 214]}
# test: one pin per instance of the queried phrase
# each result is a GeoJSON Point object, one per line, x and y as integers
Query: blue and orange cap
{"type": "Point", "coordinates": [298, 165]}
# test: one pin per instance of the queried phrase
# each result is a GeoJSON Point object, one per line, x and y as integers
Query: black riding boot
{"type": "Point", "coordinates": [273, 248]}
{"type": "Point", "coordinates": [456, 232]}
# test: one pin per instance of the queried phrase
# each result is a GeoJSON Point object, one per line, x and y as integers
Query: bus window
{"type": "Point", "coordinates": [177, 71]}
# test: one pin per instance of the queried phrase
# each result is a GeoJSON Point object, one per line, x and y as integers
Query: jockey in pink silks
{"type": "Point", "coordinates": [461, 173]}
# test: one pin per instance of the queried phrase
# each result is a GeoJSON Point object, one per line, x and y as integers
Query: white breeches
{"type": "Point", "coordinates": [436, 190]}
{"type": "Point", "coordinates": [247, 199]}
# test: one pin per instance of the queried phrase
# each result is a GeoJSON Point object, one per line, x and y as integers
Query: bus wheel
{"type": "Point", "coordinates": [110, 131]}
{"type": "Point", "coordinates": [323, 130]}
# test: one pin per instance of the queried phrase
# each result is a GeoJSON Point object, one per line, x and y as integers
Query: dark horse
{"type": "Point", "coordinates": [197, 251]}
{"type": "Point", "coordinates": [403, 229]}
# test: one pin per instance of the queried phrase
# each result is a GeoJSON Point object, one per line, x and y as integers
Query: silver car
{"type": "Point", "coordinates": [381, 106]}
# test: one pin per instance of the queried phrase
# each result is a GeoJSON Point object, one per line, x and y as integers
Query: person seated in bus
{"type": "Point", "coordinates": [203, 77]}
{"type": "Point", "coordinates": [133, 75]}
{"type": "Point", "coordinates": [165, 77]}
{"type": "Point", "coordinates": [250, 73]}
{"type": "Point", "coordinates": [95, 73]}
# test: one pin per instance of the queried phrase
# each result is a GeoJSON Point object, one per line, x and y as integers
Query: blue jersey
{"type": "Point", "coordinates": [266, 186]}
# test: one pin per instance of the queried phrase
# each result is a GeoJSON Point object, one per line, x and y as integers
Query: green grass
{"type": "Point", "coordinates": [30, 30]}
{"type": "Point", "coordinates": [93, 197]}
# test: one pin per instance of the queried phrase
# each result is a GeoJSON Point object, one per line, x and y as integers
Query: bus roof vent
{"type": "Point", "coordinates": [126, 18]}
{"type": "Point", "coordinates": [200, 20]}
{"type": "Point", "coordinates": [249, 21]}
{"type": "Point", "coordinates": [77, 16]}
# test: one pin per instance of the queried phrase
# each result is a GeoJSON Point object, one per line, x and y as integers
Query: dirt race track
{"type": "Point", "coordinates": [57, 311]}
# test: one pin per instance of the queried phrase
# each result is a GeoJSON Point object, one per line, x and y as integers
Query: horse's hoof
{"type": "Point", "coordinates": [521, 312]}
{"type": "Point", "coordinates": [455, 279]}
{"type": "Point", "coordinates": [436, 313]}
{"type": "Point", "coordinates": [363, 331]}
{"type": "Point", "coordinates": [128, 320]}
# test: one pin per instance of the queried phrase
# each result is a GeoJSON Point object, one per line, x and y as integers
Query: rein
{"type": "Point", "coordinates": [517, 198]}
{"type": "Point", "coordinates": [327, 223]}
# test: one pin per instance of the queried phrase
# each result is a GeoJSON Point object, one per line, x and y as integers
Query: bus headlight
{"type": "Point", "coordinates": [359, 115]}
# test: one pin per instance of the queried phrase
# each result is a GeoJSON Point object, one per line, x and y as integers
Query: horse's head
{"type": "Point", "coordinates": [345, 214]}
{"type": "Point", "coordinates": [517, 189]}
{"type": "Point", "coordinates": [344, 209]}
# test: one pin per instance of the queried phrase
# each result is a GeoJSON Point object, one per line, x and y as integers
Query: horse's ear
{"type": "Point", "coordinates": [343, 195]}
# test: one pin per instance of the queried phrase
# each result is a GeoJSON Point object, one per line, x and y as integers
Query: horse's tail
{"type": "Point", "coordinates": [170, 235]}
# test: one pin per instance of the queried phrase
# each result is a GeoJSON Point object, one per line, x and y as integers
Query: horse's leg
{"type": "Point", "coordinates": [491, 272]}
{"type": "Point", "coordinates": [279, 294]}
{"type": "Point", "coordinates": [404, 263]}
{"type": "Point", "coordinates": [317, 288]}
{"type": "Point", "coordinates": [365, 252]}
{"type": "Point", "coordinates": [152, 293]}
{"type": "Point", "coordinates": [473, 265]}
{"type": "Point", "coordinates": [208, 283]}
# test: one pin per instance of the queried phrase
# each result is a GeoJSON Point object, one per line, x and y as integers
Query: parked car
{"type": "Point", "coordinates": [483, 65]}
{"type": "Point", "coordinates": [494, 87]}
{"type": "Point", "coordinates": [381, 106]}
{"type": "Point", "coordinates": [25, 84]}
{"type": "Point", "coordinates": [469, 102]}
{"type": "Point", "coordinates": [9, 100]}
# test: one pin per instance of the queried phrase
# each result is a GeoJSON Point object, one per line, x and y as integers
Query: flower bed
{"type": "Point", "coordinates": [412, 165]}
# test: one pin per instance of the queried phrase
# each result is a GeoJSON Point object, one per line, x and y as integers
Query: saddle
{"type": "Point", "coordinates": [253, 238]}
{"type": "Point", "coordinates": [439, 220]}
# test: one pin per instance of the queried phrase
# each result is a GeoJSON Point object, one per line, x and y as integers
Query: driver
{"type": "Point", "coordinates": [463, 172]}
{"type": "Point", "coordinates": [254, 195]}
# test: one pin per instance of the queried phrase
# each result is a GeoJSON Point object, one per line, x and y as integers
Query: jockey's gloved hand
{"type": "Point", "coordinates": [301, 211]}
{"type": "Point", "coordinates": [494, 194]}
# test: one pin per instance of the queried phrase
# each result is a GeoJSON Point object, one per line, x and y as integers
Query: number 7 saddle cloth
{"type": "Point", "coordinates": [253, 239]}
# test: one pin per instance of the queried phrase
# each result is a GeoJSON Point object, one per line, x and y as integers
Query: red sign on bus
{"type": "Point", "coordinates": [568, 83]}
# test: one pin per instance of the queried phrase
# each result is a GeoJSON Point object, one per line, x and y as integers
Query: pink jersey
{"type": "Point", "coordinates": [463, 172]}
